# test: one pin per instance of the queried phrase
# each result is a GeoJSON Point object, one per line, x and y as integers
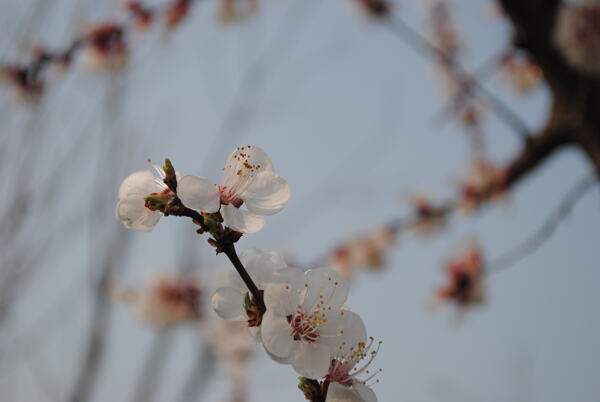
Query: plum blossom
{"type": "Point", "coordinates": [167, 300]}
{"type": "Point", "coordinates": [347, 364]}
{"type": "Point", "coordinates": [428, 218]}
{"type": "Point", "coordinates": [27, 87]}
{"type": "Point", "coordinates": [141, 14]}
{"type": "Point", "coordinates": [106, 48]}
{"type": "Point", "coordinates": [176, 11]}
{"type": "Point", "coordinates": [305, 321]}
{"type": "Point", "coordinates": [577, 35]}
{"type": "Point", "coordinates": [235, 10]}
{"type": "Point", "coordinates": [442, 29]}
{"type": "Point", "coordinates": [248, 179]}
{"type": "Point", "coordinates": [483, 182]}
{"type": "Point", "coordinates": [132, 210]}
{"type": "Point", "coordinates": [465, 278]}
{"type": "Point", "coordinates": [363, 252]}
{"type": "Point", "coordinates": [374, 8]}
{"type": "Point", "coordinates": [521, 72]}
{"type": "Point", "coordinates": [231, 301]}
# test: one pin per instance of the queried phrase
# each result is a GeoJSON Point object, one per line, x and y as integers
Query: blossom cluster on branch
{"type": "Point", "coordinates": [104, 46]}
{"type": "Point", "coordinates": [300, 317]}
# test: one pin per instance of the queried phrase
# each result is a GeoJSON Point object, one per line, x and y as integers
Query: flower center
{"type": "Point", "coordinates": [304, 327]}
{"type": "Point", "coordinates": [344, 367]}
{"type": "Point", "coordinates": [160, 200]}
{"type": "Point", "coordinates": [229, 196]}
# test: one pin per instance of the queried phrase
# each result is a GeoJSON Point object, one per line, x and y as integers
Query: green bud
{"type": "Point", "coordinates": [168, 167]}
{"type": "Point", "coordinates": [248, 301]}
{"type": "Point", "coordinates": [156, 202]}
{"type": "Point", "coordinates": [310, 388]}
{"type": "Point", "coordinates": [213, 223]}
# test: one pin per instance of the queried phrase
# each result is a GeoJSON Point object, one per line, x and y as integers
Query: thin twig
{"type": "Point", "coordinates": [546, 230]}
{"type": "Point", "coordinates": [425, 47]}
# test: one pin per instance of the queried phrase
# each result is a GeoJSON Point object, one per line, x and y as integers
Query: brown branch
{"type": "Point", "coordinates": [536, 151]}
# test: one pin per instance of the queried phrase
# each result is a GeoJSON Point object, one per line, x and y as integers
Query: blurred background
{"type": "Point", "coordinates": [357, 122]}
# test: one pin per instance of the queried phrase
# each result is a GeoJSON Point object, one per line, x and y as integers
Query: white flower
{"type": "Point", "coordinates": [229, 301]}
{"type": "Point", "coordinates": [305, 321]}
{"type": "Point", "coordinates": [343, 371]}
{"type": "Point", "coordinates": [248, 179]}
{"type": "Point", "coordinates": [132, 210]}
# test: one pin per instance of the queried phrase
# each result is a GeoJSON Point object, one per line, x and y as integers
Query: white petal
{"type": "Point", "coordinates": [228, 303]}
{"type": "Point", "coordinates": [262, 265]}
{"type": "Point", "coordinates": [326, 287]}
{"type": "Point", "coordinates": [140, 184]}
{"type": "Point", "coordinates": [267, 194]}
{"type": "Point", "coordinates": [339, 393]}
{"type": "Point", "coordinates": [280, 360]}
{"type": "Point", "coordinates": [343, 330]}
{"type": "Point", "coordinates": [365, 392]}
{"type": "Point", "coordinates": [134, 215]}
{"type": "Point", "coordinates": [283, 294]}
{"type": "Point", "coordinates": [243, 156]}
{"type": "Point", "coordinates": [198, 193]}
{"type": "Point", "coordinates": [240, 220]}
{"type": "Point", "coordinates": [312, 360]}
{"type": "Point", "coordinates": [275, 334]}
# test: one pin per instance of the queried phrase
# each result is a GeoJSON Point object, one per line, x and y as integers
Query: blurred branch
{"type": "Point", "coordinates": [547, 229]}
{"type": "Point", "coordinates": [200, 375]}
{"type": "Point", "coordinates": [426, 48]}
{"type": "Point", "coordinates": [152, 368]}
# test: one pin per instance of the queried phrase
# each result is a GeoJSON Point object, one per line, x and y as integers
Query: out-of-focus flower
{"type": "Point", "coordinates": [363, 252]}
{"type": "Point", "coordinates": [345, 386]}
{"type": "Point", "coordinates": [305, 323]}
{"type": "Point", "coordinates": [577, 34]}
{"type": "Point", "coordinates": [248, 179]}
{"type": "Point", "coordinates": [106, 48]}
{"type": "Point", "coordinates": [142, 15]}
{"type": "Point", "coordinates": [483, 183]}
{"type": "Point", "coordinates": [132, 210]}
{"type": "Point", "coordinates": [465, 278]}
{"type": "Point", "coordinates": [442, 29]}
{"type": "Point", "coordinates": [176, 12]}
{"type": "Point", "coordinates": [521, 72]}
{"type": "Point", "coordinates": [428, 218]}
{"type": "Point", "coordinates": [27, 86]}
{"type": "Point", "coordinates": [232, 301]}
{"type": "Point", "coordinates": [374, 8]}
{"type": "Point", "coordinates": [167, 300]}
{"type": "Point", "coordinates": [236, 10]}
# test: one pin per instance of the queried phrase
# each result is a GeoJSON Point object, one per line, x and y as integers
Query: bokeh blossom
{"type": "Point", "coordinates": [367, 252]}
{"type": "Point", "coordinates": [105, 48]}
{"type": "Point", "coordinates": [167, 300]}
{"type": "Point", "coordinates": [577, 34]}
{"type": "Point", "coordinates": [465, 278]}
